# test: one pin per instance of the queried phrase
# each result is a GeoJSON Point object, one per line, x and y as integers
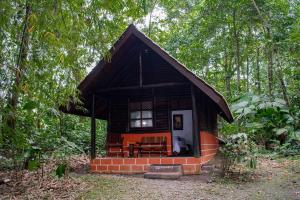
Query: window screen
{"type": "Point", "coordinates": [141, 114]}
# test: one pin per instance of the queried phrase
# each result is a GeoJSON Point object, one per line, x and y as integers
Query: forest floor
{"type": "Point", "coordinates": [273, 179]}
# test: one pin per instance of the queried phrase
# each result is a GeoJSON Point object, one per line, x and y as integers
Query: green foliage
{"type": "Point", "coordinates": [30, 105]}
{"type": "Point", "coordinates": [291, 147]}
{"type": "Point", "coordinates": [253, 162]}
{"type": "Point", "coordinates": [63, 39]}
{"type": "Point", "coordinates": [238, 149]}
{"type": "Point", "coordinates": [32, 158]}
{"type": "Point", "coordinates": [266, 121]}
{"type": "Point", "coordinates": [60, 170]}
{"type": "Point", "coordinates": [33, 165]}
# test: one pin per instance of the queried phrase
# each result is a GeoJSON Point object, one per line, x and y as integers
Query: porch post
{"type": "Point", "coordinates": [93, 129]}
{"type": "Point", "coordinates": [195, 124]}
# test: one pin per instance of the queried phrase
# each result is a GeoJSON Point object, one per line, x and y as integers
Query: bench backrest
{"type": "Point", "coordinates": [154, 140]}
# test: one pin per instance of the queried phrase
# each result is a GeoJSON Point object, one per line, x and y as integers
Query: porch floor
{"type": "Point", "coordinates": [114, 165]}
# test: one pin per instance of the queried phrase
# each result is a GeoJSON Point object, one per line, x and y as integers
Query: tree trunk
{"type": "Point", "coordinates": [228, 85]}
{"type": "Point", "coordinates": [282, 83]}
{"type": "Point", "coordinates": [248, 60]}
{"type": "Point", "coordinates": [258, 72]}
{"type": "Point", "coordinates": [283, 88]}
{"type": "Point", "coordinates": [247, 74]}
{"type": "Point", "coordinates": [269, 48]}
{"type": "Point", "coordinates": [227, 75]}
{"type": "Point", "coordinates": [150, 19]}
{"type": "Point", "coordinates": [21, 63]}
{"type": "Point", "coordinates": [237, 47]}
{"type": "Point", "coordinates": [270, 67]}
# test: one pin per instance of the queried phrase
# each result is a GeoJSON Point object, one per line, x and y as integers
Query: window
{"type": "Point", "coordinates": [141, 115]}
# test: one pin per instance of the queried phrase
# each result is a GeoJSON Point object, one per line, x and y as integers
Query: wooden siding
{"type": "Point", "coordinates": [207, 114]}
{"type": "Point", "coordinates": [162, 106]}
{"type": "Point", "coordinates": [118, 115]}
{"type": "Point", "coordinates": [157, 70]}
{"type": "Point", "coordinates": [161, 113]}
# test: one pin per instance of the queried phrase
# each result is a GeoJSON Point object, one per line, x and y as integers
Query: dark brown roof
{"type": "Point", "coordinates": [199, 83]}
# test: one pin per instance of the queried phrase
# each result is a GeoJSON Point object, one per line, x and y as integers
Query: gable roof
{"type": "Point", "coordinates": [83, 87]}
{"type": "Point", "coordinates": [198, 82]}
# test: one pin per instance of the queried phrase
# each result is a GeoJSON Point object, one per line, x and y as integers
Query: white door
{"type": "Point", "coordinates": [182, 126]}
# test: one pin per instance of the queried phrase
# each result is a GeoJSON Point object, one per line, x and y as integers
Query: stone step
{"type": "Point", "coordinates": [205, 172]}
{"type": "Point", "coordinates": [163, 175]}
{"type": "Point", "coordinates": [162, 171]}
{"type": "Point", "coordinates": [207, 167]}
{"type": "Point", "coordinates": [165, 168]}
{"type": "Point", "coordinates": [210, 169]}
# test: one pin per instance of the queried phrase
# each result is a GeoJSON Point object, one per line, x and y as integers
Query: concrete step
{"type": "Point", "coordinates": [208, 167]}
{"type": "Point", "coordinates": [163, 175]}
{"type": "Point", "coordinates": [164, 171]}
{"type": "Point", "coordinates": [205, 172]}
{"type": "Point", "coordinates": [165, 168]}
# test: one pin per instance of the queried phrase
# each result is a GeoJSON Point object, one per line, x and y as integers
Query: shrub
{"type": "Point", "coordinates": [265, 121]}
{"type": "Point", "coordinates": [292, 146]}
{"type": "Point", "coordinates": [238, 149]}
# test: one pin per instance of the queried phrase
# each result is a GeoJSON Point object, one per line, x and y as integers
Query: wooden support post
{"type": "Point", "coordinates": [141, 69]}
{"type": "Point", "coordinates": [93, 129]}
{"type": "Point", "coordinates": [108, 117]}
{"type": "Point", "coordinates": [196, 134]}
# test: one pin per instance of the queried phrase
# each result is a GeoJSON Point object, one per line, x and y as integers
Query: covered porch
{"type": "Point", "coordinates": [135, 165]}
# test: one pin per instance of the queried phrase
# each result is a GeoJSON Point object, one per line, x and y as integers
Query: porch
{"type": "Point", "coordinates": [137, 165]}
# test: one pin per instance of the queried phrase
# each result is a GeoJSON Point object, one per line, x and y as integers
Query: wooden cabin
{"type": "Point", "coordinates": [157, 111]}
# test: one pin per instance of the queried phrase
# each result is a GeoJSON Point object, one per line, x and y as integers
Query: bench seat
{"type": "Point", "coordinates": [153, 145]}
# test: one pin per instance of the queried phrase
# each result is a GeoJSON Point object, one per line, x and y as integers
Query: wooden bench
{"type": "Point", "coordinates": [153, 145]}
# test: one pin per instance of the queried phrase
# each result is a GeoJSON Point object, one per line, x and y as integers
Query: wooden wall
{"type": "Point", "coordinates": [162, 107]}
{"type": "Point", "coordinates": [207, 114]}
{"type": "Point", "coordinates": [118, 115]}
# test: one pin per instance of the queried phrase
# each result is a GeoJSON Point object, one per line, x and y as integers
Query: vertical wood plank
{"type": "Point", "coordinates": [128, 115]}
{"type": "Point", "coordinates": [170, 122]}
{"type": "Point", "coordinates": [154, 109]}
{"type": "Point", "coordinates": [196, 140]}
{"type": "Point", "coordinates": [141, 68]}
{"type": "Point", "coordinates": [93, 129]}
{"type": "Point", "coordinates": [109, 117]}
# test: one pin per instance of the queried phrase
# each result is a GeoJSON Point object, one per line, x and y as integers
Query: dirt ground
{"type": "Point", "coordinates": [278, 179]}
{"type": "Point", "coordinates": [273, 179]}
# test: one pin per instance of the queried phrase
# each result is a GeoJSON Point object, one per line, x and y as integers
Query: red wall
{"type": "Point", "coordinates": [209, 145]}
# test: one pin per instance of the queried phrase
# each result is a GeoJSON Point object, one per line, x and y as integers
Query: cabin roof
{"type": "Point", "coordinates": [215, 96]}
